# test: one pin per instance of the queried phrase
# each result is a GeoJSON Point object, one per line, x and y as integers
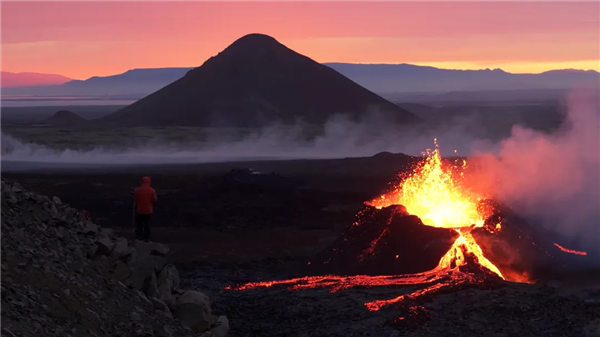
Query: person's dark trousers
{"type": "Point", "coordinates": [142, 226]}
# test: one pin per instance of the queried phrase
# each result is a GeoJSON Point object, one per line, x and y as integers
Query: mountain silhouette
{"type": "Point", "coordinates": [253, 82]}
{"type": "Point", "coordinates": [65, 118]}
{"type": "Point", "coordinates": [405, 78]}
{"type": "Point", "coordinates": [19, 80]}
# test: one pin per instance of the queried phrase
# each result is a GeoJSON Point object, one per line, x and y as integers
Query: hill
{"type": "Point", "coordinates": [9, 79]}
{"type": "Point", "coordinates": [253, 82]}
{"type": "Point", "coordinates": [65, 118]}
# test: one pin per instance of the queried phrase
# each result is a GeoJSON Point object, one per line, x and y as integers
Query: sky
{"type": "Point", "coordinates": [84, 39]}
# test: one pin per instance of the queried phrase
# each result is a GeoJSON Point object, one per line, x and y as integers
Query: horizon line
{"type": "Point", "coordinates": [424, 65]}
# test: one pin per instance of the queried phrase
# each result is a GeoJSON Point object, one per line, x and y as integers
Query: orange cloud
{"type": "Point", "coordinates": [81, 39]}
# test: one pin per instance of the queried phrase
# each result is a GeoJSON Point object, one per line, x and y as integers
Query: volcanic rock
{"type": "Point", "coordinates": [519, 249]}
{"type": "Point", "coordinates": [254, 82]}
{"type": "Point", "coordinates": [120, 248]}
{"type": "Point", "coordinates": [193, 309]}
{"type": "Point", "coordinates": [65, 118]}
{"type": "Point", "coordinates": [593, 329]}
{"type": "Point", "coordinates": [150, 248]}
{"type": "Point", "coordinates": [222, 328]}
{"type": "Point", "coordinates": [58, 280]}
{"type": "Point", "coordinates": [386, 242]}
{"type": "Point", "coordinates": [121, 272]}
{"type": "Point", "coordinates": [168, 280]}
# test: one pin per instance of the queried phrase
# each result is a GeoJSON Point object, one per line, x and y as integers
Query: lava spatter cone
{"type": "Point", "coordinates": [428, 231]}
{"type": "Point", "coordinates": [386, 241]}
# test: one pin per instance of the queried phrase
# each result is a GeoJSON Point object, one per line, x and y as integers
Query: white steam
{"type": "Point", "coordinates": [341, 138]}
{"type": "Point", "coordinates": [552, 178]}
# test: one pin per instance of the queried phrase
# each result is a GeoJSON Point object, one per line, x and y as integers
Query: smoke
{"type": "Point", "coordinates": [340, 137]}
{"type": "Point", "coordinates": [551, 179]}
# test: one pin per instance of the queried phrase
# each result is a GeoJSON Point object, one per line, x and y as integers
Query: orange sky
{"type": "Point", "coordinates": [83, 39]}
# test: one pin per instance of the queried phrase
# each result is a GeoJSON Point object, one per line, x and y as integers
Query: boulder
{"type": "Point", "coordinates": [108, 232]}
{"type": "Point", "coordinates": [145, 269]}
{"type": "Point", "coordinates": [120, 249]}
{"type": "Point", "coordinates": [105, 244]}
{"type": "Point", "coordinates": [161, 306]}
{"type": "Point", "coordinates": [121, 272]}
{"type": "Point", "coordinates": [130, 256]}
{"type": "Point", "coordinates": [222, 328]}
{"type": "Point", "coordinates": [91, 251]}
{"type": "Point", "coordinates": [158, 304]}
{"type": "Point", "coordinates": [193, 309]}
{"type": "Point", "coordinates": [592, 329]}
{"type": "Point", "coordinates": [168, 280]}
{"type": "Point", "coordinates": [150, 286]}
{"type": "Point", "coordinates": [90, 228]}
{"type": "Point", "coordinates": [151, 248]}
{"type": "Point", "coordinates": [56, 200]}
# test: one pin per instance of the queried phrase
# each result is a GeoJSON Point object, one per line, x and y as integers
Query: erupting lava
{"type": "Point", "coordinates": [434, 194]}
{"type": "Point", "coordinates": [431, 191]}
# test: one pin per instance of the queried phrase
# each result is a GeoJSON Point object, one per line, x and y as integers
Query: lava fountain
{"type": "Point", "coordinates": [435, 192]}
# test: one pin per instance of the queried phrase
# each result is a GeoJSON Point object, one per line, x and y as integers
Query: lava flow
{"type": "Point", "coordinates": [432, 191]}
{"type": "Point", "coordinates": [570, 251]}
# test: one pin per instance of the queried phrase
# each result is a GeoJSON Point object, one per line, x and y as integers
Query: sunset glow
{"type": "Point", "coordinates": [83, 39]}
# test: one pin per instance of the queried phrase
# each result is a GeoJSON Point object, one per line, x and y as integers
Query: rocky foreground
{"type": "Point", "coordinates": [63, 275]}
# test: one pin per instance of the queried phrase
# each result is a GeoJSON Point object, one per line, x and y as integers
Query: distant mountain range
{"type": "Point", "coordinates": [395, 78]}
{"type": "Point", "coordinates": [132, 84]}
{"type": "Point", "coordinates": [8, 79]}
{"type": "Point", "coordinates": [379, 78]}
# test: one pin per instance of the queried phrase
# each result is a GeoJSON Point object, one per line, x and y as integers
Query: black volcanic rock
{"type": "Point", "coordinates": [253, 82]}
{"type": "Point", "coordinates": [385, 242]}
{"type": "Point", "coordinates": [389, 241]}
{"type": "Point", "coordinates": [65, 118]}
{"type": "Point", "coordinates": [520, 248]}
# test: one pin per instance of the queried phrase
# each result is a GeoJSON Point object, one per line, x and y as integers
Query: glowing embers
{"type": "Point", "coordinates": [435, 192]}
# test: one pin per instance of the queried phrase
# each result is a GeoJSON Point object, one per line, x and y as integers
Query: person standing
{"type": "Point", "coordinates": [144, 198]}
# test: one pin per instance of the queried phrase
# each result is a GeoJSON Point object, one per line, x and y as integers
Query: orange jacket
{"type": "Point", "coordinates": [144, 197]}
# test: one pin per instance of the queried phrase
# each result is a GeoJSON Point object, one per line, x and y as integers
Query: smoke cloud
{"type": "Point", "coordinates": [339, 138]}
{"type": "Point", "coordinates": [551, 179]}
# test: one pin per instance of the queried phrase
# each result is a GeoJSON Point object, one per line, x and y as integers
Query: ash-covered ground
{"type": "Point", "coordinates": [231, 227]}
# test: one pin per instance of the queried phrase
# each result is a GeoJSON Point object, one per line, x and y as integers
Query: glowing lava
{"type": "Point", "coordinates": [433, 192]}
{"type": "Point", "coordinates": [570, 251]}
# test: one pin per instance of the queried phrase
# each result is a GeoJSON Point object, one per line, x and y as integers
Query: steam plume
{"type": "Point", "coordinates": [552, 178]}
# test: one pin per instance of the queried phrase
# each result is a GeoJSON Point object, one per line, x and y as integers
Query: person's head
{"type": "Point", "coordinates": [146, 181]}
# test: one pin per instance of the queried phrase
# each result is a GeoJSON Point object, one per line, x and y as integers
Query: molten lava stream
{"type": "Point", "coordinates": [570, 251]}
{"type": "Point", "coordinates": [434, 194]}
{"type": "Point", "coordinates": [447, 273]}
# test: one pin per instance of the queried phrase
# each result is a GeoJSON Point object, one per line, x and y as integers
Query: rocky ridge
{"type": "Point", "coordinates": [63, 275]}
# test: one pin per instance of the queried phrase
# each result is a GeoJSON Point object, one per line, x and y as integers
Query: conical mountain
{"type": "Point", "coordinates": [253, 82]}
{"type": "Point", "coordinates": [65, 118]}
